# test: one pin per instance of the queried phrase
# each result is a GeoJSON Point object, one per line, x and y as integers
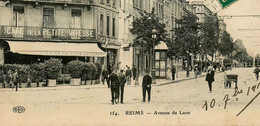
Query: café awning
{"type": "Point", "coordinates": [56, 49]}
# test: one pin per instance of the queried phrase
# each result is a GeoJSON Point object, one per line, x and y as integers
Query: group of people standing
{"type": "Point", "coordinates": [12, 78]}
{"type": "Point", "coordinates": [116, 83]}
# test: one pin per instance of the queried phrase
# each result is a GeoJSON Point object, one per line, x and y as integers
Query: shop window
{"type": "Point", "coordinates": [76, 18]}
{"type": "Point", "coordinates": [114, 28]}
{"type": "Point", "coordinates": [48, 17]}
{"type": "Point", "coordinates": [18, 16]}
{"type": "Point", "coordinates": [108, 25]}
{"type": "Point", "coordinates": [101, 24]}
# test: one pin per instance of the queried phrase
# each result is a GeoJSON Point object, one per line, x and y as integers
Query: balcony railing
{"type": "Point", "coordinates": [110, 40]}
{"type": "Point", "coordinates": [47, 33]}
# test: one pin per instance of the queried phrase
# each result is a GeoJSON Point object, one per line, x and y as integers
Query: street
{"type": "Point", "coordinates": [184, 102]}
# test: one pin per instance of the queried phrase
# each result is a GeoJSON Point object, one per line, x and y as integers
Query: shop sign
{"type": "Point", "coordinates": [47, 33]}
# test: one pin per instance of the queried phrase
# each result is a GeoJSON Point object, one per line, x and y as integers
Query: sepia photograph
{"type": "Point", "coordinates": [129, 62]}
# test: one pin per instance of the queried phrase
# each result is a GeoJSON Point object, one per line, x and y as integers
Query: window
{"type": "Point", "coordinates": [18, 16]}
{"type": "Point", "coordinates": [76, 18]}
{"type": "Point", "coordinates": [108, 25]}
{"type": "Point", "coordinates": [114, 27]}
{"type": "Point", "coordinates": [135, 3]}
{"type": "Point", "coordinates": [114, 3]}
{"type": "Point", "coordinates": [101, 24]}
{"type": "Point", "coordinates": [141, 4]}
{"type": "Point", "coordinates": [108, 2]}
{"type": "Point", "coordinates": [102, 1]}
{"type": "Point", "coordinates": [48, 17]}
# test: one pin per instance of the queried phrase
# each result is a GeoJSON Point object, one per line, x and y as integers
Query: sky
{"type": "Point", "coordinates": [245, 28]}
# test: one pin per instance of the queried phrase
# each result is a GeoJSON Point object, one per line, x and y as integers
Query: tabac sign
{"type": "Point", "coordinates": [47, 33]}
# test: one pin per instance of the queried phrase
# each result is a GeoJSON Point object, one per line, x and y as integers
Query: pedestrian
{"type": "Point", "coordinates": [122, 81]}
{"type": "Point", "coordinates": [196, 71]}
{"type": "Point", "coordinates": [256, 71]}
{"type": "Point", "coordinates": [104, 76]}
{"type": "Point", "coordinates": [15, 79]}
{"type": "Point", "coordinates": [173, 72]}
{"type": "Point", "coordinates": [210, 77]}
{"type": "Point", "coordinates": [134, 70]}
{"type": "Point", "coordinates": [168, 73]}
{"type": "Point", "coordinates": [9, 79]}
{"type": "Point", "coordinates": [113, 83]}
{"type": "Point", "coordinates": [146, 85]}
{"type": "Point", "coordinates": [128, 75]}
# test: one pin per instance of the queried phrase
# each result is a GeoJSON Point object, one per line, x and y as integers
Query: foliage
{"type": "Point", "coordinates": [89, 71]}
{"type": "Point", "coordinates": [226, 45]}
{"type": "Point", "coordinates": [24, 71]}
{"type": "Point", "coordinates": [37, 72]}
{"type": "Point", "coordinates": [93, 71]}
{"type": "Point", "coordinates": [98, 70]}
{"type": "Point", "coordinates": [186, 37]}
{"type": "Point", "coordinates": [142, 28]}
{"type": "Point", "coordinates": [240, 52]}
{"type": "Point", "coordinates": [52, 68]}
{"type": "Point", "coordinates": [75, 68]}
{"type": "Point", "coordinates": [210, 34]}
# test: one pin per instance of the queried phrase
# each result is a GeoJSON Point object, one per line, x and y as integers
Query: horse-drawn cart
{"type": "Point", "coordinates": [229, 78]}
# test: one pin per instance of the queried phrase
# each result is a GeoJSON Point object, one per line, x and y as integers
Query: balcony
{"type": "Point", "coordinates": [40, 33]}
{"type": "Point", "coordinates": [110, 40]}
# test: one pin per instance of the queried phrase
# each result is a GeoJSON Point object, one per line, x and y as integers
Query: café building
{"type": "Point", "coordinates": [33, 31]}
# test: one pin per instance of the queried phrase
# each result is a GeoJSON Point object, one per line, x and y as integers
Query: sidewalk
{"type": "Point", "coordinates": [159, 82]}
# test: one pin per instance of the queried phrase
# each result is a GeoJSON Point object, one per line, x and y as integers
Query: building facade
{"type": "Point", "coordinates": [36, 30]}
{"type": "Point", "coordinates": [166, 10]}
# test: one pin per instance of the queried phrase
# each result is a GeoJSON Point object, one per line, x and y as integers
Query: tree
{"type": "Point", "coordinates": [186, 40]}
{"type": "Point", "coordinates": [210, 34]}
{"type": "Point", "coordinates": [240, 52]}
{"type": "Point", "coordinates": [226, 44]}
{"type": "Point", "coordinates": [142, 28]}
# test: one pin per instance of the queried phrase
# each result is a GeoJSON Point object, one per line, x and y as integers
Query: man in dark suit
{"type": "Point", "coordinates": [104, 75]}
{"type": "Point", "coordinates": [210, 77]}
{"type": "Point", "coordinates": [128, 75]}
{"type": "Point", "coordinates": [134, 70]}
{"type": "Point", "coordinates": [114, 85]}
{"type": "Point", "coordinates": [173, 72]}
{"type": "Point", "coordinates": [147, 81]}
{"type": "Point", "coordinates": [15, 80]}
{"type": "Point", "coordinates": [122, 81]}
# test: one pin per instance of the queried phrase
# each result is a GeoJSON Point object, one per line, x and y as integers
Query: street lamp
{"type": "Point", "coordinates": [200, 64]}
{"type": "Point", "coordinates": [154, 32]}
{"type": "Point", "coordinates": [188, 64]}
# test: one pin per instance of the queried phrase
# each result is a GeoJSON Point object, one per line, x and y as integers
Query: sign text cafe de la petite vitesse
{"type": "Point", "coordinates": [47, 33]}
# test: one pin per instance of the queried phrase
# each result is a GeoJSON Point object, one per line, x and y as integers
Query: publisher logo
{"type": "Point", "coordinates": [18, 109]}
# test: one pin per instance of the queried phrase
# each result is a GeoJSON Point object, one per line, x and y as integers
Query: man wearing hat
{"type": "Point", "coordinates": [114, 85]}
{"type": "Point", "coordinates": [147, 81]}
{"type": "Point", "coordinates": [210, 77]}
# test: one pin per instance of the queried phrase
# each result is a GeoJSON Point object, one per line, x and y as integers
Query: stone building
{"type": "Point", "coordinates": [35, 30]}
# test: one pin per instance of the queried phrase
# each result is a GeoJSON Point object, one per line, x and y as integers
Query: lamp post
{"type": "Point", "coordinates": [154, 32]}
{"type": "Point", "coordinates": [188, 64]}
{"type": "Point", "coordinates": [200, 64]}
